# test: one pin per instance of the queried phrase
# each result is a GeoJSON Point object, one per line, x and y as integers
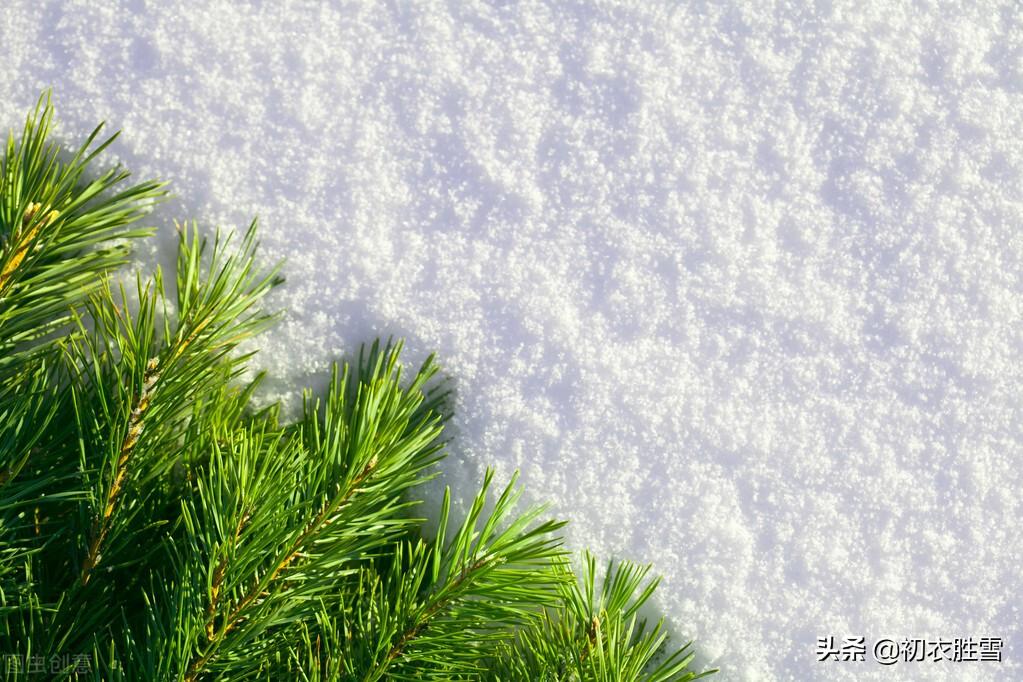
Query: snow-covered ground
{"type": "Point", "coordinates": [737, 286]}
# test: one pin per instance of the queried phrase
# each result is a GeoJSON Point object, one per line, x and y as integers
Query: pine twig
{"type": "Point", "coordinates": [423, 620]}
{"type": "Point", "coordinates": [102, 524]}
{"type": "Point", "coordinates": [219, 572]}
{"type": "Point", "coordinates": [238, 612]}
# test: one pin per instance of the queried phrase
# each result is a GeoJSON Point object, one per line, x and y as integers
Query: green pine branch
{"type": "Point", "coordinates": [155, 525]}
{"type": "Point", "coordinates": [59, 231]}
{"type": "Point", "coordinates": [596, 635]}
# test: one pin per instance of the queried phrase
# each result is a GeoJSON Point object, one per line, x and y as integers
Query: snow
{"type": "Point", "coordinates": [735, 285]}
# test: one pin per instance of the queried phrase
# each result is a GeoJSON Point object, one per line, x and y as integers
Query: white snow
{"type": "Point", "coordinates": [737, 286]}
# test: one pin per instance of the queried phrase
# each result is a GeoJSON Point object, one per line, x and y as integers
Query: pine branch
{"type": "Point", "coordinates": [136, 378]}
{"type": "Point", "coordinates": [214, 315]}
{"type": "Point", "coordinates": [56, 233]}
{"type": "Point", "coordinates": [596, 635]}
{"type": "Point", "coordinates": [56, 241]}
{"type": "Point", "coordinates": [355, 457]}
{"type": "Point", "coordinates": [101, 526]}
{"type": "Point", "coordinates": [453, 599]}
{"type": "Point", "coordinates": [153, 519]}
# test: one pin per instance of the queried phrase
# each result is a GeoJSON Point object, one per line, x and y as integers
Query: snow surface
{"type": "Point", "coordinates": [736, 285]}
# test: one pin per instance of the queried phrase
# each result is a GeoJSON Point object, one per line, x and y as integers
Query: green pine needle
{"type": "Point", "coordinates": [155, 525]}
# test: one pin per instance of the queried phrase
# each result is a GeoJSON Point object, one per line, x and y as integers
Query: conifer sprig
{"type": "Point", "coordinates": [57, 231]}
{"type": "Point", "coordinates": [596, 634]}
{"type": "Point", "coordinates": [144, 380]}
{"type": "Point", "coordinates": [467, 594]}
{"type": "Point", "coordinates": [156, 525]}
{"type": "Point", "coordinates": [341, 493]}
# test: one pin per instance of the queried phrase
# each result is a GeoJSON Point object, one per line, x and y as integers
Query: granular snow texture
{"type": "Point", "coordinates": [737, 286]}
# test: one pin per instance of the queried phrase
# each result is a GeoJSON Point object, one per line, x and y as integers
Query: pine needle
{"type": "Point", "coordinates": [156, 526]}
